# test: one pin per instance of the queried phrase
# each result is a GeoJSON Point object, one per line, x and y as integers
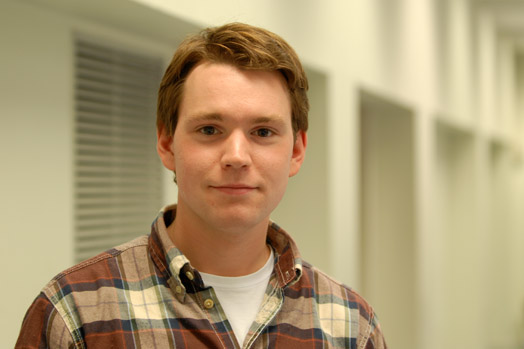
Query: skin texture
{"type": "Point", "coordinates": [233, 152]}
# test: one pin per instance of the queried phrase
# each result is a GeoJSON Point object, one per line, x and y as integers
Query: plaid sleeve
{"type": "Point", "coordinates": [376, 337]}
{"type": "Point", "coordinates": [43, 327]}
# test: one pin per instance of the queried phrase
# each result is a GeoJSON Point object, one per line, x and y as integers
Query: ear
{"type": "Point", "coordinates": [164, 148]}
{"type": "Point", "coordinates": [299, 153]}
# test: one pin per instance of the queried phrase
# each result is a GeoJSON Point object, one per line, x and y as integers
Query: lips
{"type": "Point", "coordinates": [234, 189]}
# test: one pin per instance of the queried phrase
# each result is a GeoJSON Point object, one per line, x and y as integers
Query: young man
{"type": "Point", "coordinates": [215, 272]}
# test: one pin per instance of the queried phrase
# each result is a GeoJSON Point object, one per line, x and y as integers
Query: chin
{"type": "Point", "coordinates": [237, 225]}
{"type": "Point", "coordinates": [239, 222]}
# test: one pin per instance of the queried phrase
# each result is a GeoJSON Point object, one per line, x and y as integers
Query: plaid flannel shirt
{"type": "Point", "coordinates": [145, 294]}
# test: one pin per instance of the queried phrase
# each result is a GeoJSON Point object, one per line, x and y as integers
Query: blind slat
{"type": "Point", "coordinates": [113, 93]}
{"type": "Point", "coordinates": [117, 173]}
{"type": "Point", "coordinates": [88, 203]}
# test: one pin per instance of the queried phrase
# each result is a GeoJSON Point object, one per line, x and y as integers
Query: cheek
{"type": "Point", "coordinates": [191, 162]}
{"type": "Point", "coordinates": [278, 181]}
{"type": "Point", "coordinates": [277, 166]}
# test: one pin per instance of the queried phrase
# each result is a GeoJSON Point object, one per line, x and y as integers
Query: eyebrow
{"type": "Point", "coordinates": [218, 117]}
{"type": "Point", "coordinates": [206, 117]}
{"type": "Point", "coordinates": [268, 119]}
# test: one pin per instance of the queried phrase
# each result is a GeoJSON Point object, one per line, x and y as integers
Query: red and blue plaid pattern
{"type": "Point", "coordinates": [145, 294]}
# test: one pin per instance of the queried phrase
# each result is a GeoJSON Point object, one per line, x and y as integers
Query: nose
{"type": "Point", "coordinates": [236, 152]}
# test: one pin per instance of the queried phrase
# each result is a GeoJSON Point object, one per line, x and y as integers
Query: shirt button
{"type": "Point", "coordinates": [178, 289]}
{"type": "Point", "coordinates": [190, 275]}
{"type": "Point", "coordinates": [208, 303]}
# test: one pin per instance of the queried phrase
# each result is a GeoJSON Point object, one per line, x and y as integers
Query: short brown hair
{"type": "Point", "coordinates": [243, 46]}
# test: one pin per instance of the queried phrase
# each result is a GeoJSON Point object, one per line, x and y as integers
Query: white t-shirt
{"type": "Point", "coordinates": [241, 296]}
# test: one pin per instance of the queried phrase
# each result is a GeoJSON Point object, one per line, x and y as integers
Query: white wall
{"type": "Point", "coordinates": [35, 136]}
{"type": "Point", "coordinates": [387, 227]}
{"type": "Point", "coordinates": [306, 194]}
{"type": "Point", "coordinates": [442, 59]}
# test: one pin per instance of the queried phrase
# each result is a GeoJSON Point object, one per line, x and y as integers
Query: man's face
{"type": "Point", "coordinates": [233, 149]}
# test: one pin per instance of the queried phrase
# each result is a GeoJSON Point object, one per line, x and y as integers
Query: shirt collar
{"type": "Point", "coordinates": [183, 278]}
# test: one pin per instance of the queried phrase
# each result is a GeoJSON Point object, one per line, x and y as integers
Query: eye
{"type": "Point", "coordinates": [264, 132]}
{"type": "Point", "coordinates": [208, 130]}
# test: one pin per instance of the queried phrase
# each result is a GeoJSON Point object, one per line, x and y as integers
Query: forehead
{"type": "Point", "coordinates": [224, 87]}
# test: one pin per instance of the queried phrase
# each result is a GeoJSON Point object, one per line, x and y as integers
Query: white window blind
{"type": "Point", "coordinates": [117, 171]}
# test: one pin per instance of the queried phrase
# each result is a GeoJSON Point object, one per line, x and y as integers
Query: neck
{"type": "Point", "coordinates": [220, 252]}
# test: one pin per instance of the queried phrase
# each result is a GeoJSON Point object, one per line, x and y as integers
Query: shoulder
{"type": "Point", "coordinates": [94, 271]}
{"type": "Point", "coordinates": [338, 303]}
{"type": "Point", "coordinates": [53, 319]}
{"type": "Point", "coordinates": [324, 285]}
{"type": "Point", "coordinates": [42, 327]}
{"type": "Point", "coordinates": [75, 293]}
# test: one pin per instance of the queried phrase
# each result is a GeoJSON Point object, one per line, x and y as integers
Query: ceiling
{"type": "Point", "coordinates": [508, 14]}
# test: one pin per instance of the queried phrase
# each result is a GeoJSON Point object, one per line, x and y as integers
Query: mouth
{"type": "Point", "coordinates": [234, 189]}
